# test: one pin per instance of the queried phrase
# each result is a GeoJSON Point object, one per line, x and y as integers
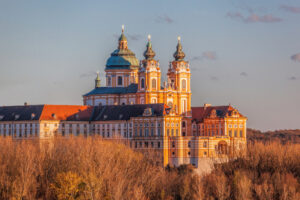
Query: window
{"type": "Point", "coordinates": [230, 133]}
{"type": "Point", "coordinates": [189, 153]}
{"type": "Point", "coordinates": [183, 84]}
{"type": "Point", "coordinates": [173, 144]}
{"type": "Point", "coordinates": [108, 81]}
{"type": "Point", "coordinates": [152, 132]}
{"type": "Point", "coordinates": [141, 132]}
{"type": "Point", "coordinates": [168, 132]}
{"type": "Point", "coordinates": [142, 83]}
{"type": "Point", "coordinates": [241, 133]}
{"type": "Point", "coordinates": [153, 84]}
{"type": "Point", "coordinates": [235, 133]}
{"type": "Point", "coordinates": [172, 131]}
{"type": "Point", "coordinates": [135, 132]}
{"type": "Point", "coordinates": [177, 132]}
{"type": "Point", "coordinates": [146, 132]}
{"type": "Point", "coordinates": [183, 106]}
{"type": "Point", "coordinates": [229, 126]}
{"type": "Point", "coordinates": [205, 144]}
{"type": "Point", "coordinates": [158, 144]}
{"type": "Point", "coordinates": [189, 144]}
{"type": "Point", "coordinates": [120, 80]}
{"type": "Point", "coordinates": [183, 124]}
{"type": "Point", "coordinates": [158, 132]}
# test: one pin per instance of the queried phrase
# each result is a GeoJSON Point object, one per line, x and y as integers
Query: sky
{"type": "Point", "coordinates": [241, 52]}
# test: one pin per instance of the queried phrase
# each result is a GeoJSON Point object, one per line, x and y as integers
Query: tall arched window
{"type": "Point", "coordinates": [183, 84]}
{"type": "Point", "coordinates": [154, 84]}
{"type": "Point", "coordinates": [142, 83]}
{"type": "Point", "coordinates": [108, 81]}
{"type": "Point", "coordinates": [120, 80]}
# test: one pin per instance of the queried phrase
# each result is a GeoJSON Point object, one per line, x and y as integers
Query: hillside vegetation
{"type": "Point", "coordinates": [90, 168]}
{"type": "Point", "coordinates": [283, 136]}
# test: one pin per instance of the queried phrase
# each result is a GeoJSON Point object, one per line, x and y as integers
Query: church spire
{"type": "Point", "coordinates": [179, 54]}
{"type": "Point", "coordinates": [149, 53]}
{"type": "Point", "coordinates": [122, 40]}
{"type": "Point", "coordinates": [97, 81]}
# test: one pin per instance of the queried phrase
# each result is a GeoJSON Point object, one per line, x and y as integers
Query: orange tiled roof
{"type": "Point", "coordinates": [66, 112]}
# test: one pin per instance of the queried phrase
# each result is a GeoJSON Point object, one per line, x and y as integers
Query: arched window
{"type": "Point", "coordinates": [183, 106]}
{"type": "Point", "coordinates": [183, 84]}
{"type": "Point", "coordinates": [142, 83]}
{"type": "Point", "coordinates": [183, 124]}
{"type": "Point", "coordinates": [153, 84]}
{"type": "Point", "coordinates": [108, 81]}
{"type": "Point", "coordinates": [120, 80]}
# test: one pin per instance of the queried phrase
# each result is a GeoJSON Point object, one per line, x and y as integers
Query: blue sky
{"type": "Point", "coordinates": [246, 53]}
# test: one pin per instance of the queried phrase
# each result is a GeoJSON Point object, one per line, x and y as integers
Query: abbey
{"type": "Point", "coordinates": [129, 81]}
{"type": "Point", "coordinates": [136, 107]}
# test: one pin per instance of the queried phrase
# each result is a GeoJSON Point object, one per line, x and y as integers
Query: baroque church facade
{"type": "Point", "coordinates": [136, 107]}
{"type": "Point", "coordinates": [129, 81]}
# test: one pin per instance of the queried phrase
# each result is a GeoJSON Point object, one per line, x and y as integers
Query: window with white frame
{"type": "Point", "coordinates": [183, 84]}
{"type": "Point", "coordinates": [153, 84]}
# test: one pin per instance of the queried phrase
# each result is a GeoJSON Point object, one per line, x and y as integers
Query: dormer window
{"type": "Point", "coordinates": [105, 116]}
{"type": "Point", "coordinates": [1, 117]}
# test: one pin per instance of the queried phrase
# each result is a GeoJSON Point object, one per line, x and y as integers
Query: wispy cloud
{"type": "Point", "coordinates": [253, 18]}
{"type": "Point", "coordinates": [292, 78]}
{"type": "Point", "coordinates": [291, 9]}
{"type": "Point", "coordinates": [214, 78]}
{"type": "Point", "coordinates": [164, 19]}
{"type": "Point", "coordinates": [88, 74]}
{"type": "Point", "coordinates": [296, 57]}
{"type": "Point", "coordinates": [208, 55]}
{"type": "Point", "coordinates": [245, 74]}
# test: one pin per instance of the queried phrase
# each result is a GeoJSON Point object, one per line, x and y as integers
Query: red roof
{"type": "Point", "coordinates": [66, 112]}
{"type": "Point", "coordinates": [200, 113]}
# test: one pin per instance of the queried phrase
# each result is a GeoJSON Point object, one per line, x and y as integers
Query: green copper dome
{"type": "Point", "coordinates": [122, 58]}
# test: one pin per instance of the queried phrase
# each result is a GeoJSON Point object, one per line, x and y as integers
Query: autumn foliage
{"type": "Point", "coordinates": [90, 168]}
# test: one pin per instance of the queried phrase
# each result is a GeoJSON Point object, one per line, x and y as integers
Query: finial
{"type": "Point", "coordinates": [149, 53]}
{"type": "Point", "coordinates": [97, 81]}
{"type": "Point", "coordinates": [123, 28]}
{"type": "Point", "coordinates": [179, 54]}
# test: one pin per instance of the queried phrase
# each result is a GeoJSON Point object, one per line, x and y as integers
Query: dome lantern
{"type": "Point", "coordinates": [149, 53]}
{"type": "Point", "coordinates": [179, 54]}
